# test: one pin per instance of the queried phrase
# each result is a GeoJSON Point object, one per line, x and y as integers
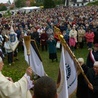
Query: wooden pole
{"type": "Point", "coordinates": [63, 42]}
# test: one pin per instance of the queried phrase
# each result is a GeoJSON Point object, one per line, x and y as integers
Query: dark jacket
{"type": "Point", "coordinates": [90, 60]}
{"type": "Point", "coordinates": [43, 38]}
{"type": "Point", "coordinates": [96, 35]}
{"type": "Point", "coordinates": [94, 81]}
{"type": "Point", "coordinates": [82, 87]}
{"type": "Point", "coordinates": [52, 46]}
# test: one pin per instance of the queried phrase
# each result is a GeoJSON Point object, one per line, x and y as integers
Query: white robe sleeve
{"type": "Point", "coordinates": [30, 83]}
{"type": "Point", "coordinates": [17, 89]}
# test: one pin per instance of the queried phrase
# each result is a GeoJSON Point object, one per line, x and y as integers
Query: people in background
{"type": "Point", "coordinates": [43, 40]}
{"type": "Point", "coordinates": [8, 49]}
{"type": "Point", "coordinates": [92, 56]}
{"type": "Point", "coordinates": [73, 38]}
{"type": "Point", "coordinates": [81, 33]}
{"type": "Point", "coordinates": [66, 37]}
{"type": "Point", "coordinates": [35, 36]}
{"type": "Point", "coordinates": [89, 35]}
{"type": "Point", "coordinates": [52, 48]}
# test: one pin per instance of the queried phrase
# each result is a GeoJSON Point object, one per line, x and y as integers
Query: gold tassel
{"type": "Point", "coordinates": [27, 40]}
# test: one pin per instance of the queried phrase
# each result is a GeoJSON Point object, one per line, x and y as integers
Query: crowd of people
{"type": "Point", "coordinates": [78, 25]}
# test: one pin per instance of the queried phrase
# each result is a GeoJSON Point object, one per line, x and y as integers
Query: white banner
{"type": "Point", "coordinates": [35, 61]}
{"type": "Point", "coordinates": [68, 75]}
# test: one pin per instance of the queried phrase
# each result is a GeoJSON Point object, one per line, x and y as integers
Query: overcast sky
{"type": "Point", "coordinates": [4, 1]}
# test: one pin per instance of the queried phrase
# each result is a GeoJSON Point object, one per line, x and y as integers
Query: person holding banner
{"type": "Point", "coordinates": [82, 87]}
{"type": "Point", "coordinates": [19, 89]}
{"type": "Point", "coordinates": [45, 87]}
{"type": "Point", "coordinates": [92, 75]}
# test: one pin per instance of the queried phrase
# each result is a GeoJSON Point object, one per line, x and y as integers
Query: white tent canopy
{"type": "Point", "coordinates": [28, 9]}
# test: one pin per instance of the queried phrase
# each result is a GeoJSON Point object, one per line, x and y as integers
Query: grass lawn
{"type": "Point", "coordinates": [17, 70]}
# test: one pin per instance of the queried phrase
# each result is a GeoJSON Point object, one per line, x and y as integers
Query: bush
{"type": "Point", "coordinates": [37, 4]}
{"type": "Point", "coordinates": [3, 7]}
{"type": "Point", "coordinates": [93, 3]}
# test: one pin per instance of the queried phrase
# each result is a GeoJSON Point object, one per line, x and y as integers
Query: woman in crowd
{"type": "Point", "coordinates": [89, 35]}
{"type": "Point", "coordinates": [52, 48]}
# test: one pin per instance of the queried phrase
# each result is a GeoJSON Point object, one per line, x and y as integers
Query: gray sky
{"type": "Point", "coordinates": [4, 1]}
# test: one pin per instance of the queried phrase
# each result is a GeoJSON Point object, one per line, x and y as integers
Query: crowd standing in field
{"type": "Point", "coordinates": [78, 25]}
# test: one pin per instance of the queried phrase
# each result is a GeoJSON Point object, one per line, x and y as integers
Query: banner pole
{"type": "Point", "coordinates": [66, 47]}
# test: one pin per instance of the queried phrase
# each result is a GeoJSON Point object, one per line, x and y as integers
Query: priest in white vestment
{"type": "Point", "coordinates": [19, 89]}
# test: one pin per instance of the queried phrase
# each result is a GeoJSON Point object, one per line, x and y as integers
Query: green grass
{"type": "Point", "coordinates": [17, 70]}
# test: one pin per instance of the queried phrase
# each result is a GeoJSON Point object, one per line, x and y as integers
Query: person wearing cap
{"type": "Point", "coordinates": [19, 89]}
{"type": "Point", "coordinates": [82, 87]}
{"type": "Point", "coordinates": [92, 56]}
{"type": "Point", "coordinates": [92, 75]}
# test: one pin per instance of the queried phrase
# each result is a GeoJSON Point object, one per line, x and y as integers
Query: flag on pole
{"type": "Point", "coordinates": [67, 79]}
{"type": "Point", "coordinates": [35, 59]}
{"type": "Point", "coordinates": [13, 39]}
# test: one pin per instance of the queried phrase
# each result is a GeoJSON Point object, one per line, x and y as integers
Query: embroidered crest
{"type": "Point", "coordinates": [12, 38]}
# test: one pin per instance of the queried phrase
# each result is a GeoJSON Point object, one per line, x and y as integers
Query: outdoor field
{"type": "Point", "coordinates": [17, 70]}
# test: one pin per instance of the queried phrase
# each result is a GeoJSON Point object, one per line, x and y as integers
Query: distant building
{"type": "Point", "coordinates": [79, 2]}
